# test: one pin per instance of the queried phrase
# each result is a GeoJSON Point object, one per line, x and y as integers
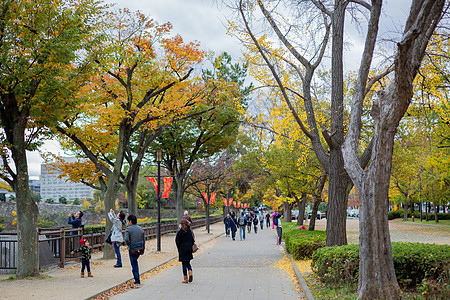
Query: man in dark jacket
{"type": "Point", "coordinates": [75, 221]}
{"type": "Point", "coordinates": [134, 238]}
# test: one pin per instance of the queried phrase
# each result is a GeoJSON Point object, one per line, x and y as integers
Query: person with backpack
{"type": "Point", "coordinates": [242, 221]}
{"type": "Point", "coordinates": [267, 219]}
{"type": "Point", "coordinates": [255, 223]}
{"type": "Point", "coordinates": [279, 228]}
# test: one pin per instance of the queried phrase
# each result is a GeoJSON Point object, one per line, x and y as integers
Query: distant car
{"type": "Point", "coordinates": [353, 213]}
{"type": "Point", "coordinates": [294, 214]}
{"type": "Point", "coordinates": [320, 215]}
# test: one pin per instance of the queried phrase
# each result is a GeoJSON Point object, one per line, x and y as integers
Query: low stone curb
{"type": "Point", "coordinates": [149, 270]}
{"type": "Point", "coordinates": [301, 280]}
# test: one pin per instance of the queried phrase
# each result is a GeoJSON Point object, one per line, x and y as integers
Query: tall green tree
{"type": "Point", "coordinates": [41, 66]}
{"type": "Point", "coordinates": [202, 136]}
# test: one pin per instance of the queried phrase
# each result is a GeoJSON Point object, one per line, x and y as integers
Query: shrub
{"type": "Point", "coordinates": [301, 244]}
{"type": "Point", "coordinates": [414, 264]}
{"type": "Point", "coordinates": [396, 214]}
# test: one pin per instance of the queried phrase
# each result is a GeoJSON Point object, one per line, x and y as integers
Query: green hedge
{"type": "Point", "coordinates": [396, 214]}
{"type": "Point", "coordinates": [301, 244]}
{"type": "Point", "coordinates": [413, 262]}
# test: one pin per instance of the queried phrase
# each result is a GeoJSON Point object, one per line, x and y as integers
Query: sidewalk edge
{"type": "Point", "coordinates": [149, 270]}
{"type": "Point", "coordinates": [301, 280]}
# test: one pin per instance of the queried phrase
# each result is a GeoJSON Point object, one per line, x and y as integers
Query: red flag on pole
{"type": "Point", "coordinates": [234, 203]}
{"type": "Point", "coordinates": [225, 202]}
{"type": "Point", "coordinates": [167, 186]}
{"type": "Point", "coordinates": [153, 180]}
{"type": "Point", "coordinates": [205, 197]}
{"type": "Point", "coordinates": [230, 201]}
{"type": "Point", "coordinates": [212, 200]}
{"type": "Point", "coordinates": [239, 203]}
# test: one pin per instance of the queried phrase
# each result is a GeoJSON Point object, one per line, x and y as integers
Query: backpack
{"type": "Point", "coordinates": [255, 221]}
{"type": "Point", "coordinates": [275, 220]}
{"type": "Point", "coordinates": [241, 221]}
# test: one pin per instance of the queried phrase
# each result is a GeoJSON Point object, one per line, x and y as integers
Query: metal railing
{"type": "Point", "coordinates": [55, 244]}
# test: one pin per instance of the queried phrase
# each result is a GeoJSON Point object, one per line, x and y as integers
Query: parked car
{"type": "Point", "coordinates": [353, 213]}
{"type": "Point", "coordinates": [320, 215]}
{"type": "Point", "coordinates": [294, 214]}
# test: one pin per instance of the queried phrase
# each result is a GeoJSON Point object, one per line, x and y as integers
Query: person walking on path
{"type": "Point", "coordinates": [267, 220]}
{"type": "Point", "coordinates": [249, 222]}
{"type": "Point", "coordinates": [227, 221]}
{"type": "Point", "coordinates": [187, 217]}
{"type": "Point", "coordinates": [134, 238]}
{"type": "Point", "coordinates": [279, 228]}
{"type": "Point", "coordinates": [255, 223]}
{"type": "Point", "coordinates": [85, 257]}
{"type": "Point", "coordinates": [75, 221]}
{"type": "Point", "coordinates": [242, 221]}
{"type": "Point", "coordinates": [233, 226]}
{"type": "Point", "coordinates": [116, 234]}
{"type": "Point", "coordinates": [184, 240]}
{"type": "Point", "coordinates": [261, 220]}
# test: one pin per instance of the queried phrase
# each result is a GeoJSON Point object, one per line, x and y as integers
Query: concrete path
{"type": "Point", "coordinates": [226, 269]}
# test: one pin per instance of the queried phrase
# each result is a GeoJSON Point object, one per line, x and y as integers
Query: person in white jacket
{"type": "Point", "coordinates": [116, 234]}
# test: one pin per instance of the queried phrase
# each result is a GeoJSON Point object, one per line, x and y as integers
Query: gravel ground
{"type": "Point", "coordinates": [401, 232]}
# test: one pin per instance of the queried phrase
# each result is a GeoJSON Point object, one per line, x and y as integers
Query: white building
{"type": "Point", "coordinates": [54, 188]}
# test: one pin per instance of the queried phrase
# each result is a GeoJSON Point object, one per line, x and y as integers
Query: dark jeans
{"type": "Point", "coordinates": [117, 250]}
{"type": "Point", "coordinates": [233, 234]}
{"type": "Point", "coordinates": [267, 223]}
{"type": "Point", "coordinates": [227, 230]}
{"type": "Point", "coordinates": [186, 265]}
{"type": "Point", "coordinates": [85, 264]}
{"type": "Point", "coordinates": [280, 234]}
{"type": "Point", "coordinates": [134, 267]}
{"type": "Point", "coordinates": [256, 228]}
{"type": "Point", "coordinates": [262, 225]}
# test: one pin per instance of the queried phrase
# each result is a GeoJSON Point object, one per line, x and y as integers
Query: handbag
{"type": "Point", "coordinates": [108, 238]}
{"type": "Point", "coordinates": [194, 245]}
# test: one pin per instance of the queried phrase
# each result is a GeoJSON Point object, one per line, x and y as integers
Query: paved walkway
{"type": "Point", "coordinates": [226, 269]}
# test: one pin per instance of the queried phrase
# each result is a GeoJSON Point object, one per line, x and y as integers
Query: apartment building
{"type": "Point", "coordinates": [54, 188]}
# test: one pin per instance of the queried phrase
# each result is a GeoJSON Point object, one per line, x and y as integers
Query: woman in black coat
{"type": "Point", "coordinates": [184, 241]}
{"type": "Point", "coordinates": [233, 226]}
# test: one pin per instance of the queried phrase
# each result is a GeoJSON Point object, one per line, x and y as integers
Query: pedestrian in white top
{"type": "Point", "coordinates": [116, 234]}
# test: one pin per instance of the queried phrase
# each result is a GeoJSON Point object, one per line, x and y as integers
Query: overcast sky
{"type": "Point", "coordinates": [205, 21]}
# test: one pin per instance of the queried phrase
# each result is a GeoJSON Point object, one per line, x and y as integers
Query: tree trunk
{"type": "Point", "coordinates": [131, 192]}
{"type": "Point", "coordinates": [27, 214]}
{"type": "Point", "coordinates": [179, 193]}
{"type": "Point", "coordinates": [301, 205]}
{"type": "Point", "coordinates": [287, 213]}
{"type": "Point", "coordinates": [113, 182]}
{"type": "Point", "coordinates": [312, 222]}
{"type": "Point", "coordinates": [405, 211]}
{"type": "Point", "coordinates": [435, 212]}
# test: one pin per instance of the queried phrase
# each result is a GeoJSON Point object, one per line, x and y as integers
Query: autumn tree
{"type": "Point", "coordinates": [376, 268]}
{"type": "Point", "coordinates": [41, 43]}
{"type": "Point", "coordinates": [138, 90]}
{"type": "Point", "coordinates": [202, 136]}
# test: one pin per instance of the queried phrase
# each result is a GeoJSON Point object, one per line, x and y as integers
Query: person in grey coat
{"type": "Point", "coordinates": [134, 238]}
{"type": "Point", "coordinates": [116, 234]}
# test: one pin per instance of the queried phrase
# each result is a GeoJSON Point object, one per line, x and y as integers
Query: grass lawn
{"type": "Point", "coordinates": [430, 222]}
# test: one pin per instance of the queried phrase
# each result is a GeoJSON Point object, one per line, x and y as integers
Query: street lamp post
{"type": "Point", "coordinates": [158, 201]}
{"type": "Point", "coordinates": [207, 204]}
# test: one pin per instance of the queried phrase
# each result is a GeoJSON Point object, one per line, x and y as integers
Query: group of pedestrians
{"type": "Point", "coordinates": [249, 220]}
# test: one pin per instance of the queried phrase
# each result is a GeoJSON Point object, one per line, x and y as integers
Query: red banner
{"type": "Point", "coordinates": [212, 200]}
{"type": "Point", "coordinates": [234, 203]}
{"type": "Point", "coordinates": [153, 180]}
{"type": "Point", "coordinates": [225, 202]}
{"type": "Point", "coordinates": [239, 203]}
{"type": "Point", "coordinates": [167, 186]}
{"type": "Point", "coordinates": [230, 201]}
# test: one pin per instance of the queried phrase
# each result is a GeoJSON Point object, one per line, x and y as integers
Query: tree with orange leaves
{"type": "Point", "coordinates": [139, 88]}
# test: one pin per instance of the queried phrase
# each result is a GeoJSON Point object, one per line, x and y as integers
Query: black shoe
{"type": "Point", "coordinates": [117, 266]}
